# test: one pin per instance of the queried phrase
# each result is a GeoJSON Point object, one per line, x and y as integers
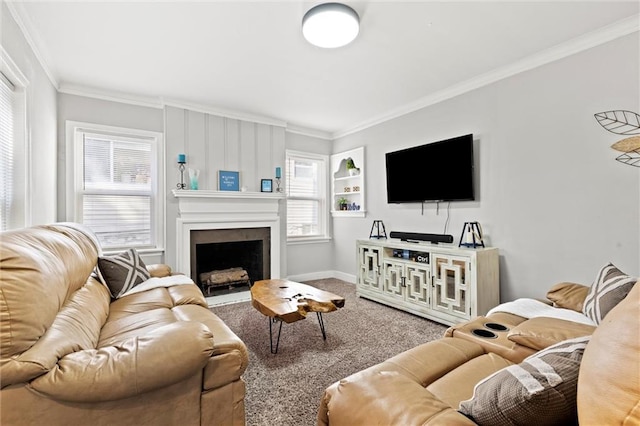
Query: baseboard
{"type": "Point", "coordinates": [321, 275]}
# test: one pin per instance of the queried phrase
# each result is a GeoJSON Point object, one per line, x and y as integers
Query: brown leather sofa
{"type": "Point", "coordinates": [434, 383]}
{"type": "Point", "coordinates": [70, 355]}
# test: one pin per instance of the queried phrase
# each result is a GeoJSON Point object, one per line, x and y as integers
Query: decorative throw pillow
{"type": "Point", "coordinates": [122, 272]}
{"type": "Point", "coordinates": [541, 389]}
{"type": "Point", "coordinates": [609, 288]}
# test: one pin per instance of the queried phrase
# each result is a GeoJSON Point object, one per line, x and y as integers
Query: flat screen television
{"type": "Point", "coordinates": [437, 171]}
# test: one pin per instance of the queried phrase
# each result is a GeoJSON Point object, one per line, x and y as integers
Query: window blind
{"type": "Point", "coordinates": [304, 196]}
{"type": "Point", "coordinates": [6, 149]}
{"type": "Point", "coordinates": [117, 193]}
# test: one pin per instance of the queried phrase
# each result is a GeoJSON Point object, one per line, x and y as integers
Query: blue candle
{"type": "Point", "coordinates": [182, 158]}
{"type": "Point", "coordinates": [278, 172]}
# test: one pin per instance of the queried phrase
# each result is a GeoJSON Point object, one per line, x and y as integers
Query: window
{"type": "Point", "coordinates": [118, 186]}
{"type": "Point", "coordinates": [6, 150]}
{"type": "Point", "coordinates": [15, 198]}
{"type": "Point", "coordinates": [306, 196]}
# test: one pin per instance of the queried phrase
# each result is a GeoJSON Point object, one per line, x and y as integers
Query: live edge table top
{"type": "Point", "coordinates": [291, 301]}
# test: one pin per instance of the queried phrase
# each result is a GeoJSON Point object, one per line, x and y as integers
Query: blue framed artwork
{"type": "Point", "coordinates": [228, 180]}
{"type": "Point", "coordinates": [266, 185]}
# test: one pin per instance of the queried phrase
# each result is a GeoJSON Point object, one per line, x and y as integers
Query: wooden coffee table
{"type": "Point", "coordinates": [289, 301]}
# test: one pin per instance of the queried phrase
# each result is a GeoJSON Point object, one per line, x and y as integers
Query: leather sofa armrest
{"type": "Point", "coordinates": [568, 295]}
{"type": "Point", "coordinates": [159, 270]}
{"type": "Point", "coordinates": [388, 397]}
{"type": "Point", "coordinates": [541, 332]}
{"type": "Point", "coordinates": [162, 357]}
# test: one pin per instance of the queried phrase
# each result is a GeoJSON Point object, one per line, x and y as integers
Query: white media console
{"type": "Point", "coordinates": [444, 283]}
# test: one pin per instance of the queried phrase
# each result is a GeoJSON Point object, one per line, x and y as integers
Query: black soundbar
{"type": "Point", "coordinates": [417, 236]}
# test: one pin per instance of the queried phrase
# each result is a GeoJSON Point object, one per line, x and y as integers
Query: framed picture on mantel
{"type": "Point", "coordinates": [228, 180]}
{"type": "Point", "coordinates": [266, 185]}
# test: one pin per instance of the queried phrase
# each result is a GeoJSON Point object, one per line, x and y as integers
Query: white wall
{"type": "Point", "coordinates": [97, 111]}
{"type": "Point", "coordinates": [40, 187]}
{"type": "Point", "coordinates": [309, 260]}
{"type": "Point", "coordinates": [550, 195]}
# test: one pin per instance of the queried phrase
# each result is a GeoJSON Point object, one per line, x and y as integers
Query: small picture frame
{"type": "Point", "coordinates": [228, 180]}
{"type": "Point", "coordinates": [266, 185]}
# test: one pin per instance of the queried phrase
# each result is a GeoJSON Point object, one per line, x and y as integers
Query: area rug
{"type": "Point", "coordinates": [284, 389]}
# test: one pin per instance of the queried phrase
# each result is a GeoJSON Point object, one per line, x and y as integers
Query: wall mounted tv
{"type": "Point", "coordinates": [438, 171]}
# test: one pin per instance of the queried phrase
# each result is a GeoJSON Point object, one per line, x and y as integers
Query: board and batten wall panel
{"type": "Point", "coordinates": [213, 143]}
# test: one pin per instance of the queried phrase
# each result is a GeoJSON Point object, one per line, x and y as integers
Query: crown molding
{"type": "Point", "coordinates": [587, 41]}
{"type": "Point", "coordinates": [21, 18]}
{"type": "Point", "coordinates": [306, 131]}
{"type": "Point", "coordinates": [106, 95]}
{"type": "Point", "coordinates": [237, 115]}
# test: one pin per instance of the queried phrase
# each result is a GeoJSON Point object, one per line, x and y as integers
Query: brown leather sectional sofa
{"type": "Point", "coordinates": [512, 370]}
{"type": "Point", "coordinates": [70, 355]}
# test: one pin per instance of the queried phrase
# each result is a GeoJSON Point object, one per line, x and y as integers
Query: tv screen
{"type": "Point", "coordinates": [438, 171]}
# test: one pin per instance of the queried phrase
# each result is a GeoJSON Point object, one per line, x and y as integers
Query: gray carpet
{"type": "Point", "coordinates": [284, 389]}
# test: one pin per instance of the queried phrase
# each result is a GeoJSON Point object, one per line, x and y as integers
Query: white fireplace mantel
{"type": "Point", "coordinates": [203, 209]}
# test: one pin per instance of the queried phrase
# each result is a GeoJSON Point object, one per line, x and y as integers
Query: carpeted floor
{"type": "Point", "coordinates": [284, 389]}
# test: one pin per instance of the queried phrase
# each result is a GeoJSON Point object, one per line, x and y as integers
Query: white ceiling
{"type": "Point", "coordinates": [250, 57]}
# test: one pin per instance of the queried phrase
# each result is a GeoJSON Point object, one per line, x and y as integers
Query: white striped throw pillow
{"type": "Point", "coordinates": [609, 288]}
{"type": "Point", "coordinates": [541, 389]}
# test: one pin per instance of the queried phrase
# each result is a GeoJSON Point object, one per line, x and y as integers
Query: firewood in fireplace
{"type": "Point", "coordinates": [224, 277]}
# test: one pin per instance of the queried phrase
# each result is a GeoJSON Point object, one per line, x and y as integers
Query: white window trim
{"type": "Point", "coordinates": [74, 171]}
{"type": "Point", "coordinates": [324, 209]}
{"type": "Point", "coordinates": [24, 191]}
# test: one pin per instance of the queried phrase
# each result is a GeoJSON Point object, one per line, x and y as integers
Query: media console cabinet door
{"type": "Point", "coordinates": [451, 276]}
{"type": "Point", "coordinates": [369, 264]}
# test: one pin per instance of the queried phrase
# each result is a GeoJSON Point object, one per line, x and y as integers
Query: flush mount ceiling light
{"type": "Point", "coordinates": [330, 25]}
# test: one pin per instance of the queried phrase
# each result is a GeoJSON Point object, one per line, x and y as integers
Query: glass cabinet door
{"type": "Point", "coordinates": [369, 264]}
{"type": "Point", "coordinates": [450, 284]}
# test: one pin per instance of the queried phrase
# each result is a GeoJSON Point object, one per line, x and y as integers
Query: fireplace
{"type": "Point", "coordinates": [238, 219]}
{"type": "Point", "coordinates": [240, 256]}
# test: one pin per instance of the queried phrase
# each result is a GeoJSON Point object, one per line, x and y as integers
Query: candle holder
{"type": "Point", "coordinates": [181, 167]}
{"type": "Point", "coordinates": [278, 189]}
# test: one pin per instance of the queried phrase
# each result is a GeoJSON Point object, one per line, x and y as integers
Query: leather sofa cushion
{"type": "Point", "coordinates": [76, 327]}
{"type": "Point", "coordinates": [36, 283]}
{"type": "Point", "coordinates": [457, 385]}
{"type": "Point", "coordinates": [139, 364]}
{"type": "Point", "coordinates": [609, 381]}
{"type": "Point", "coordinates": [391, 399]}
{"type": "Point", "coordinates": [541, 332]}
{"type": "Point", "coordinates": [568, 295]}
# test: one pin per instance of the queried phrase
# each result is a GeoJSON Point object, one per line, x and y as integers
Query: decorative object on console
{"type": "Point", "coordinates": [471, 235]}
{"type": "Point", "coordinates": [228, 180]}
{"type": "Point", "coordinates": [330, 25]}
{"type": "Point", "coordinates": [622, 122]}
{"type": "Point", "coordinates": [266, 185]}
{"type": "Point", "coordinates": [193, 177]}
{"type": "Point", "coordinates": [377, 230]}
{"type": "Point", "coordinates": [418, 236]}
{"type": "Point", "coordinates": [182, 159]}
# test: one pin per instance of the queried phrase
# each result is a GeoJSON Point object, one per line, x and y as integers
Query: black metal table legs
{"type": "Point", "coordinates": [274, 320]}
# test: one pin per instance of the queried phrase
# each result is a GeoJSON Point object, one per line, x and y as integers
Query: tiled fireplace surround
{"type": "Point", "coordinates": [220, 210]}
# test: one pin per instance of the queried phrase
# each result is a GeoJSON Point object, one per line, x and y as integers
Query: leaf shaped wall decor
{"type": "Point", "coordinates": [631, 158]}
{"type": "Point", "coordinates": [620, 122]}
{"type": "Point", "coordinates": [628, 144]}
